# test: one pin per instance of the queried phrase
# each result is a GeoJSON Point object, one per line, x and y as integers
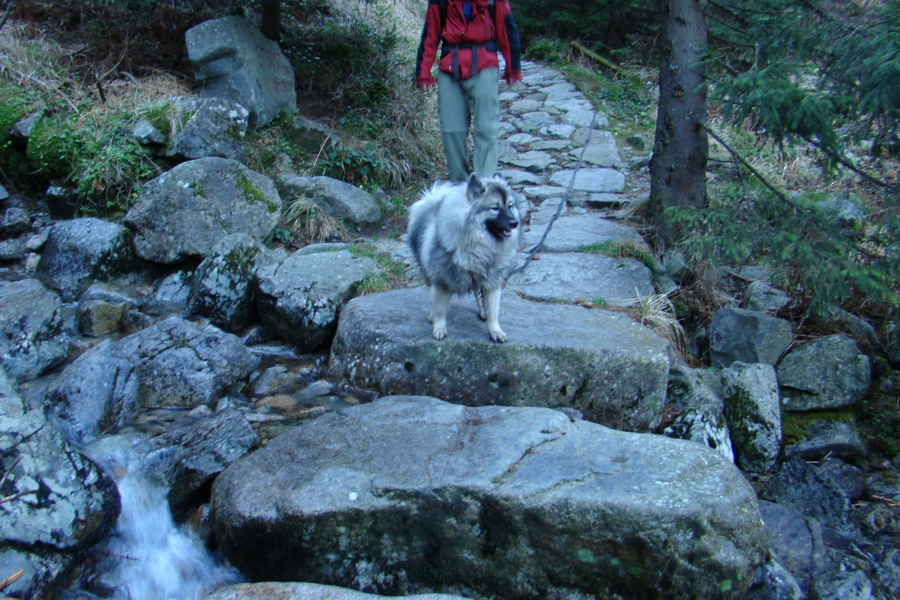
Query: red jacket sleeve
{"type": "Point", "coordinates": [429, 44]}
{"type": "Point", "coordinates": [509, 40]}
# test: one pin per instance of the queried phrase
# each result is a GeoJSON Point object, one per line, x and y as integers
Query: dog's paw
{"type": "Point", "coordinates": [439, 333]}
{"type": "Point", "coordinates": [498, 335]}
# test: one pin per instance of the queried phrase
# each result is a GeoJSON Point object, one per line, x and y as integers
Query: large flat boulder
{"type": "Point", "coordinates": [601, 363]}
{"type": "Point", "coordinates": [291, 590]}
{"type": "Point", "coordinates": [412, 494]}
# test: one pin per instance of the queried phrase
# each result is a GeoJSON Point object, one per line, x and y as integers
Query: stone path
{"type": "Point", "coordinates": [546, 128]}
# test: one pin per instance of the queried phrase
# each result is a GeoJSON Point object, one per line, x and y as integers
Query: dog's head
{"type": "Point", "coordinates": [494, 198]}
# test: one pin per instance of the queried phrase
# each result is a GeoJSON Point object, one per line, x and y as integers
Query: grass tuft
{"type": "Point", "coordinates": [657, 311]}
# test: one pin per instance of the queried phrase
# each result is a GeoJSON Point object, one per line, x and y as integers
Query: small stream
{"type": "Point", "coordinates": [148, 556]}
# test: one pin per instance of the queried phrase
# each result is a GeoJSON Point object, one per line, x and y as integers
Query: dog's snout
{"type": "Point", "coordinates": [513, 223]}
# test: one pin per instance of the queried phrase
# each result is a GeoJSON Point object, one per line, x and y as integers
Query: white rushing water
{"type": "Point", "coordinates": [149, 557]}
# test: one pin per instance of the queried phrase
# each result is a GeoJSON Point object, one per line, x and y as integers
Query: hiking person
{"type": "Point", "coordinates": [469, 33]}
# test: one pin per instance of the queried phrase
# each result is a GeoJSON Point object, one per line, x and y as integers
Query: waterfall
{"type": "Point", "coordinates": [148, 556]}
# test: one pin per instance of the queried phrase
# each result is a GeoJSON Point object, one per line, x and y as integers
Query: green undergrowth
{"type": "Point", "coordinates": [821, 262]}
{"type": "Point", "coordinates": [352, 65]}
{"type": "Point", "coordinates": [354, 72]}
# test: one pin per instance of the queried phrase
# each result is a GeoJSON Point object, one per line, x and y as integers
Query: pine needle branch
{"type": "Point", "coordinates": [849, 164]}
{"type": "Point", "coordinates": [741, 160]}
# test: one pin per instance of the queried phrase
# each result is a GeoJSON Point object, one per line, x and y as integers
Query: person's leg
{"type": "Point", "coordinates": [453, 110]}
{"type": "Point", "coordinates": [485, 94]}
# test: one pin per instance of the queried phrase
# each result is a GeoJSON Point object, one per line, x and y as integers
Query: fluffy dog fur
{"type": "Point", "coordinates": [465, 237]}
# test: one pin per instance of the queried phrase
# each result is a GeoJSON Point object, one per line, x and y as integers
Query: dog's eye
{"type": "Point", "coordinates": [495, 207]}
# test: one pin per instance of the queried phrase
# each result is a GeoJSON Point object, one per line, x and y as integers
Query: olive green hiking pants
{"type": "Point", "coordinates": [460, 102]}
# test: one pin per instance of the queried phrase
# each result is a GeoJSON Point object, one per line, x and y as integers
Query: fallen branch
{"type": "Point", "coordinates": [11, 579]}
{"type": "Point", "coordinates": [10, 498]}
{"type": "Point", "coordinates": [15, 496]}
{"type": "Point", "coordinates": [9, 470]}
{"type": "Point", "coordinates": [889, 501]}
{"type": "Point", "coordinates": [99, 82]}
{"type": "Point", "coordinates": [605, 62]}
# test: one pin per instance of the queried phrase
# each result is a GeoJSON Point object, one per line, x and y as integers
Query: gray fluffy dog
{"type": "Point", "coordinates": [465, 237]}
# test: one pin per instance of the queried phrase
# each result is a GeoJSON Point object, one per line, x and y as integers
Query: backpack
{"type": "Point", "coordinates": [491, 10]}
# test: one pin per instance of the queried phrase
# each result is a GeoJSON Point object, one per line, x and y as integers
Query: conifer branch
{"type": "Point", "coordinates": [840, 158]}
{"type": "Point", "coordinates": [742, 161]}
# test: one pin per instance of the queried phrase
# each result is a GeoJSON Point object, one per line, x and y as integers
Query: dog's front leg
{"type": "Point", "coordinates": [440, 298]}
{"type": "Point", "coordinates": [492, 304]}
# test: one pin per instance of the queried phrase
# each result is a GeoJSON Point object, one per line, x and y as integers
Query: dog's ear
{"type": "Point", "coordinates": [475, 188]}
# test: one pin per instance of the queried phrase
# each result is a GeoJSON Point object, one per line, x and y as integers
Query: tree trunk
{"type": "Point", "coordinates": [678, 167]}
{"type": "Point", "coordinates": [270, 24]}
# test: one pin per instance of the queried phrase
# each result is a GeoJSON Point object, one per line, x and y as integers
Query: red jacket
{"type": "Point", "coordinates": [466, 43]}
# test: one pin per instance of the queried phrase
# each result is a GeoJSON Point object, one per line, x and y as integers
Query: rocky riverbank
{"type": "Point", "coordinates": [321, 436]}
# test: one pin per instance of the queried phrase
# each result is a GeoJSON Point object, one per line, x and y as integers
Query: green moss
{"type": "Point", "coordinates": [252, 193]}
{"type": "Point", "coordinates": [12, 109]}
{"type": "Point", "coordinates": [797, 426]}
{"type": "Point", "coordinates": [235, 132]}
{"type": "Point", "coordinates": [241, 260]}
{"type": "Point", "coordinates": [586, 556]}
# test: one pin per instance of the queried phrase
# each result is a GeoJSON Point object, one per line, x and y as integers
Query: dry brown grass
{"type": "Point", "coordinates": [657, 312]}
{"type": "Point", "coordinates": [310, 224]}
{"type": "Point", "coordinates": [39, 64]}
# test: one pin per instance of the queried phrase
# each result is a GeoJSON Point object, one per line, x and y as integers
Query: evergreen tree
{"type": "Point", "coordinates": [678, 167]}
{"type": "Point", "coordinates": [816, 78]}
{"type": "Point", "coordinates": [826, 73]}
